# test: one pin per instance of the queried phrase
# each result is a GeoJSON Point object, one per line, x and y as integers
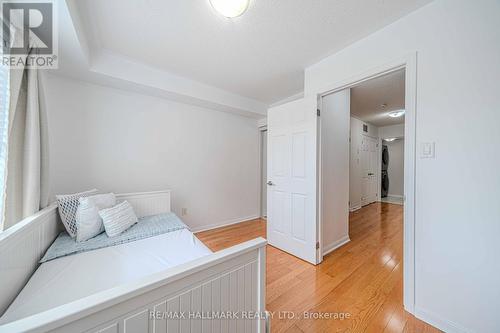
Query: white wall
{"type": "Point", "coordinates": [335, 169]}
{"type": "Point", "coordinates": [357, 127]}
{"type": "Point", "coordinates": [355, 169]}
{"type": "Point", "coordinates": [457, 238]}
{"type": "Point", "coordinates": [126, 142]}
{"type": "Point", "coordinates": [396, 167]}
{"type": "Point", "coordinates": [393, 131]}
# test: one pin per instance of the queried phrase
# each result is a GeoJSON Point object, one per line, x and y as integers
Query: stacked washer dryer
{"type": "Point", "coordinates": [385, 175]}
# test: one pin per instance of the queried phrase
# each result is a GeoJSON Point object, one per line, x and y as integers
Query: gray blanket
{"type": "Point", "coordinates": [148, 226]}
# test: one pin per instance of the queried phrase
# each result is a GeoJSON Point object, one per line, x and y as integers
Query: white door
{"type": "Point", "coordinates": [369, 167]}
{"type": "Point", "coordinates": [291, 195]}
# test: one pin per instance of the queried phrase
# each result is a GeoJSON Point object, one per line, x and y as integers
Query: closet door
{"type": "Point", "coordinates": [364, 170]}
{"type": "Point", "coordinates": [369, 163]}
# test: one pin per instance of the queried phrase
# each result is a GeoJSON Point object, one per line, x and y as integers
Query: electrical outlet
{"type": "Point", "coordinates": [184, 211]}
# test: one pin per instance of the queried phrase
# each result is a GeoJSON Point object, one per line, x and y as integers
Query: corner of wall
{"type": "Point", "coordinates": [328, 248]}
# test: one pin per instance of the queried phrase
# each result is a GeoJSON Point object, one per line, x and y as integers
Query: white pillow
{"type": "Point", "coordinates": [117, 219]}
{"type": "Point", "coordinates": [68, 204]}
{"type": "Point", "coordinates": [88, 222]}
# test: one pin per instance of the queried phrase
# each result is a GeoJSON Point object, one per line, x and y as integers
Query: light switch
{"type": "Point", "coordinates": [427, 150]}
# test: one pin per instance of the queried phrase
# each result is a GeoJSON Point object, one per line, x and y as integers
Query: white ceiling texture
{"type": "Point", "coordinates": [181, 48]}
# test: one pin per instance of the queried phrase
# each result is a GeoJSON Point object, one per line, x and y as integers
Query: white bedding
{"type": "Point", "coordinates": [70, 278]}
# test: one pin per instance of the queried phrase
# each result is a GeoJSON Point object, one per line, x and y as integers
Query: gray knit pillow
{"type": "Point", "coordinates": [68, 204]}
{"type": "Point", "coordinates": [117, 219]}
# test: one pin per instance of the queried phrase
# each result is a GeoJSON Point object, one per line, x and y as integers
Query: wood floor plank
{"type": "Point", "coordinates": [363, 278]}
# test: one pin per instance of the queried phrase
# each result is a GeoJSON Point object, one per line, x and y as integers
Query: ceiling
{"type": "Point", "coordinates": [372, 100]}
{"type": "Point", "coordinates": [260, 55]}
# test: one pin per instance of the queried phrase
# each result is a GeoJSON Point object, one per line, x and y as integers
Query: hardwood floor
{"type": "Point", "coordinates": [363, 278]}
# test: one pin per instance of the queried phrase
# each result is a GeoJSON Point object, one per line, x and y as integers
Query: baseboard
{"type": "Point", "coordinates": [224, 224]}
{"type": "Point", "coordinates": [393, 199]}
{"type": "Point", "coordinates": [438, 322]}
{"type": "Point", "coordinates": [355, 208]}
{"type": "Point", "coordinates": [335, 245]}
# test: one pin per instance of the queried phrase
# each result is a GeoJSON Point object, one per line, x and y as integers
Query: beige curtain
{"type": "Point", "coordinates": [27, 158]}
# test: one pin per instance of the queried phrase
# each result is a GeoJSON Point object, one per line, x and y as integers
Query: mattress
{"type": "Point", "coordinates": [70, 278]}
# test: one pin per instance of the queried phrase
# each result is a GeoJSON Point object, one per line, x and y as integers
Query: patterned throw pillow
{"type": "Point", "coordinates": [68, 204]}
{"type": "Point", "coordinates": [117, 219]}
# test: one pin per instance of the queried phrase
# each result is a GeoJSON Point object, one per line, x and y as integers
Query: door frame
{"type": "Point", "coordinates": [263, 188]}
{"type": "Point", "coordinates": [409, 64]}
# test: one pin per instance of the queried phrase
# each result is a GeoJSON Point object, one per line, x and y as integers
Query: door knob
{"type": "Point", "coordinates": [270, 183]}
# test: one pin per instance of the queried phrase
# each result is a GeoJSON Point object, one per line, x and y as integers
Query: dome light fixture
{"type": "Point", "coordinates": [396, 114]}
{"type": "Point", "coordinates": [230, 8]}
{"type": "Point", "coordinates": [390, 139]}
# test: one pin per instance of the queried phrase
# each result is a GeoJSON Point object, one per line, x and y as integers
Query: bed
{"type": "Point", "coordinates": [163, 283]}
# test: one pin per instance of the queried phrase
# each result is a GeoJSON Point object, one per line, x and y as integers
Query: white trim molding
{"type": "Point", "coordinates": [355, 208]}
{"type": "Point", "coordinates": [438, 322]}
{"type": "Point", "coordinates": [224, 224]}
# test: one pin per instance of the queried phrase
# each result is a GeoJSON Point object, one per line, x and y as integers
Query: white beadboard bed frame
{"type": "Point", "coordinates": [229, 280]}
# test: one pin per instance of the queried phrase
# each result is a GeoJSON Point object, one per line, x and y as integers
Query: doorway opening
{"type": "Point", "coordinates": [362, 152]}
{"type": "Point", "coordinates": [308, 166]}
{"type": "Point", "coordinates": [366, 163]}
{"type": "Point", "coordinates": [376, 165]}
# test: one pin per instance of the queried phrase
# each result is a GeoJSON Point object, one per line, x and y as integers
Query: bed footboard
{"type": "Point", "coordinates": [221, 292]}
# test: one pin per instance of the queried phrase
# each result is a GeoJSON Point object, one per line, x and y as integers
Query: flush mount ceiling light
{"type": "Point", "coordinates": [390, 139]}
{"type": "Point", "coordinates": [396, 114]}
{"type": "Point", "coordinates": [230, 8]}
